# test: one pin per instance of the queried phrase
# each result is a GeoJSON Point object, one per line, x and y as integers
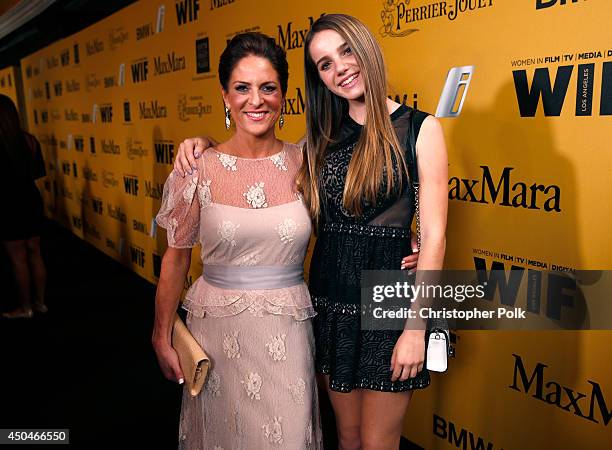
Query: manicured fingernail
{"type": "Point", "coordinates": [195, 170]}
{"type": "Point", "coordinates": [194, 167]}
{"type": "Point", "coordinates": [414, 249]}
{"type": "Point", "coordinates": [189, 172]}
{"type": "Point", "coordinates": [181, 381]}
{"type": "Point", "coordinates": [196, 154]}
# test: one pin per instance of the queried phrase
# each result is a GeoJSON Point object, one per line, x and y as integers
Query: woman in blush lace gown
{"type": "Point", "coordinates": [250, 309]}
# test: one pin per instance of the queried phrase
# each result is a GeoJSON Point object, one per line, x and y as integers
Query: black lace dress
{"type": "Point", "coordinates": [346, 245]}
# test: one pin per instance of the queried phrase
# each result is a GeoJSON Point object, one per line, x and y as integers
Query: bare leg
{"type": "Point", "coordinates": [39, 273]}
{"type": "Point", "coordinates": [382, 419]}
{"type": "Point", "coordinates": [18, 254]}
{"type": "Point", "coordinates": [347, 409]}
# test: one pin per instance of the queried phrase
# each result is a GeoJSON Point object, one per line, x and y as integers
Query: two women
{"type": "Point", "coordinates": [355, 187]}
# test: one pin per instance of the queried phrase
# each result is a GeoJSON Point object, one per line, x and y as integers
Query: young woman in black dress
{"type": "Point", "coordinates": [355, 185]}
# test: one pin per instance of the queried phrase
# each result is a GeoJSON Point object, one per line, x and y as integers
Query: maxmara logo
{"type": "Point", "coordinates": [154, 190]}
{"type": "Point", "coordinates": [505, 191]}
{"type": "Point", "coordinates": [109, 147]}
{"type": "Point", "coordinates": [94, 46]}
{"type": "Point", "coordinates": [292, 36]}
{"type": "Point", "coordinates": [192, 106]}
{"type": "Point", "coordinates": [589, 405]}
{"type": "Point", "coordinates": [169, 63]}
{"type": "Point", "coordinates": [214, 4]}
{"type": "Point", "coordinates": [135, 149]}
{"type": "Point", "coordinates": [152, 110]}
{"type": "Point", "coordinates": [399, 15]}
{"type": "Point", "coordinates": [294, 105]}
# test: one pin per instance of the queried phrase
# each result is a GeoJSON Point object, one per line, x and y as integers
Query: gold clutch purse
{"type": "Point", "coordinates": [194, 361]}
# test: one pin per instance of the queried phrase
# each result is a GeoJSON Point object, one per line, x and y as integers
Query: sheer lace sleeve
{"type": "Point", "coordinates": [180, 209]}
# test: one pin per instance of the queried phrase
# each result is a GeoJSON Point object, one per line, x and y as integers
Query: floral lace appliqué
{"type": "Point", "coordinates": [190, 189]}
{"type": "Point", "coordinates": [227, 231]}
{"type": "Point", "coordinates": [279, 160]}
{"type": "Point", "coordinates": [228, 161]}
{"type": "Point", "coordinates": [286, 230]}
{"type": "Point", "coordinates": [231, 347]}
{"type": "Point", "coordinates": [276, 347]}
{"type": "Point", "coordinates": [213, 384]}
{"type": "Point", "coordinates": [204, 194]}
{"type": "Point", "coordinates": [297, 391]}
{"type": "Point", "coordinates": [273, 431]}
{"type": "Point", "coordinates": [255, 196]}
{"type": "Point", "coordinates": [250, 259]}
{"type": "Point", "coordinates": [252, 385]}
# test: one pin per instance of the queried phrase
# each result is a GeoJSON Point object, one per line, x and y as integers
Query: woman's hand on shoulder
{"type": "Point", "coordinates": [188, 153]}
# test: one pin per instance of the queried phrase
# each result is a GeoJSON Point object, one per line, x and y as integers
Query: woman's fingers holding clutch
{"type": "Point", "coordinates": [169, 364]}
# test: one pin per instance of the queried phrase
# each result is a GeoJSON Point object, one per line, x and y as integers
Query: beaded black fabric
{"type": "Point", "coordinates": [376, 240]}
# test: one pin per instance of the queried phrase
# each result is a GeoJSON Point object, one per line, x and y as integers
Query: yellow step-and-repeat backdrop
{"type": "Point", "coordinates": [529, 168]}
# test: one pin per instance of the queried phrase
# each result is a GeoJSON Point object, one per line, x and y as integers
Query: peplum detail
{"type": "Point", "coordinates": [203, 300]}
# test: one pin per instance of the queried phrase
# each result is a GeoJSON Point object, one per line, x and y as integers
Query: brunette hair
{"type": "Point", "coordinates": [256, 44]}
{"type": "Point", "coordinates": [13, 144]}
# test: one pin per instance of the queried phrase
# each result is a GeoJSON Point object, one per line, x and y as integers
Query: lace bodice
{"type": "Point", "coordinates": [394, 210]}
{"type": "Point", "coordinates": [243, 212]}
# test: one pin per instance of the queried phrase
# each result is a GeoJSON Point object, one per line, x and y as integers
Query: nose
{"type": "Point", "coordinates": [341, 67]}
{"type": "Point", "coordinates": [255, 98]}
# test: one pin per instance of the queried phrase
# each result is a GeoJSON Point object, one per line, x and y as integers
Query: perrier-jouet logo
{"type": "Point", "coordinates": [390, 18]}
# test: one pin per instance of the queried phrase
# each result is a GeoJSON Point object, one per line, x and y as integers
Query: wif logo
{"type": "Point", "coordinates": [590, 405]}
{"type": "Point", "coordinates": [57, 88]}
{"type": "Point", "coordinates": [186, 11]}
{"type": "Point", "coordinates": [140, 71]}
{"type": "Point", "coordinates": [290, 37]}
{"type": "Point", "coordinates": [97, 206]}
{"type": "Point", "coordinates": [164, 151]}
{"type": "Point", "coordinates": [454, 91]}
{"type": "Point", "coordinates": [137, 256]}
{"type": "Point", "coordinates": [130, 184]}
{"type": "Point", "coordinates": [106, 112]}
{"type": "Point", "coordinates": [65, 57]}
{"type": "Point", "coordinates": [79, 144]}
{"type": "Point", "coordinates": [553, 96]}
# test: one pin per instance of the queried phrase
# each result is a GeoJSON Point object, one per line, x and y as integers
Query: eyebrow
{"type": "Point", "coordinates": [246, 82]}
{"type": "Point", "coordinates": [325, 56]}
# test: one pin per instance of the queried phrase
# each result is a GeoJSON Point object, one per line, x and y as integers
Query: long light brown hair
{"type": "Point", "coordinates": [378, 150]}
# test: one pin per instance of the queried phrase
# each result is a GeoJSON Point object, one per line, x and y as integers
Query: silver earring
{"type": "Point", "coordinates": [281, 121]}
{"type": "Point", "coordinates": [227, 118]}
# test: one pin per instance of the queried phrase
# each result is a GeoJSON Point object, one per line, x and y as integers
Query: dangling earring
{"type": "Point", "coordinates": [281, 121]}
{"type": "Point", "coordinates": [227, 118]}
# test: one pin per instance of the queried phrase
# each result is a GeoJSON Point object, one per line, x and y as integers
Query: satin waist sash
{"type": "Point", "coordinates": [253, 277]}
